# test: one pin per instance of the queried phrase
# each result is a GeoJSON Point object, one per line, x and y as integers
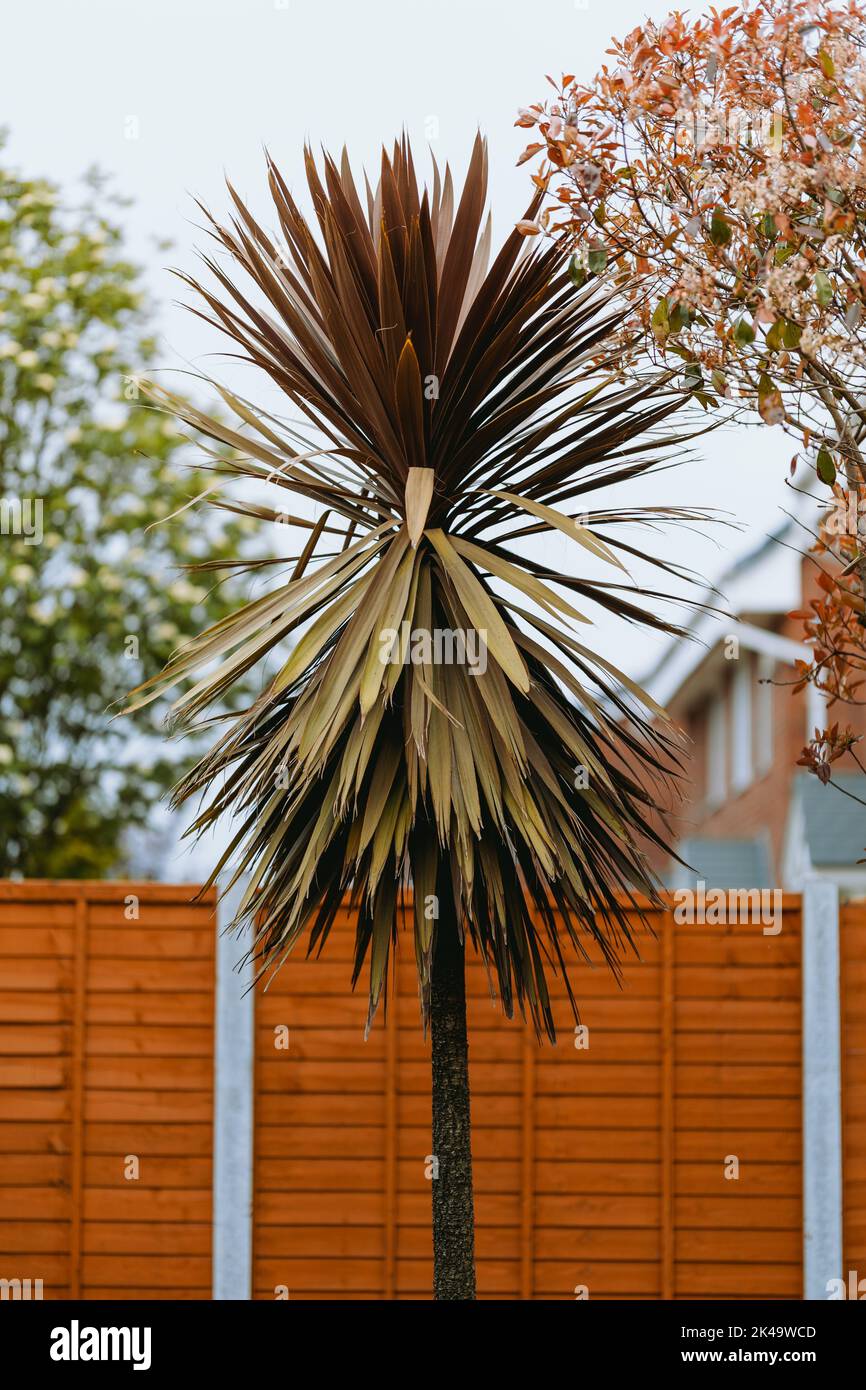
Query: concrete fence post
{"type": "Point", "coordinates": [233, 1112]}
{"type": "Point", "coordinates": [822, 1090]}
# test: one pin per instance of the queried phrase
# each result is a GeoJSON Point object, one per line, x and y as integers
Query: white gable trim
{"type": "Point", "coordinates": [688, 657]}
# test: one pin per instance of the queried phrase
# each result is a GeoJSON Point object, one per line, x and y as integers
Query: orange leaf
{"type": "Point", "coordinates": [529, 152]}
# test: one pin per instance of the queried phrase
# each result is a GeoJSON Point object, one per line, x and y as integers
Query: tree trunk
{"type": "Point", "coordinates": [453, 1208]}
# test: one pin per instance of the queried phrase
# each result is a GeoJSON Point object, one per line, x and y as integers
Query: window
{"type": "Point", "coordinates": [765, 695]}
{"type": "Point", "coordinates": [742, 762]}
{"type": "Point", "coordinates": [816, 710]}
{"type": "Point", "coordinates": [717, 752]}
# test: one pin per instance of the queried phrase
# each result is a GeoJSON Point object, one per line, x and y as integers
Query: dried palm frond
{"type": "Point", "coordinates": [451, 410]}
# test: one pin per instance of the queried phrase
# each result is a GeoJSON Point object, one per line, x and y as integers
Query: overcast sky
{"type": "Point", "coordinates": [170, 95]}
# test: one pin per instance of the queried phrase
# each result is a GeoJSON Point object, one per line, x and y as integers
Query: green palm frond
{"type": "Point", "coordinates": [451, 411]}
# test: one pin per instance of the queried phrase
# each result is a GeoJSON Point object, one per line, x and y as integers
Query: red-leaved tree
{"type": "Point", "coordinates": [715, 172]}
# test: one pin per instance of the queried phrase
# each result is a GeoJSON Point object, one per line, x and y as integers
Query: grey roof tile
{"type": "Point", "coordinates": [835, 825]}
{"type": "Point", "coordinates": [724, 863]}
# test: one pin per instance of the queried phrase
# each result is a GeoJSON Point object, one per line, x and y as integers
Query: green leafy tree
{"type": "Point", "coordinates": [428, 728]}
{"type": "Point", "coordinates": [88, 602]}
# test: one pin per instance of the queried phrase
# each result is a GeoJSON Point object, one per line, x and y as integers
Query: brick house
{"type": "Point", "coordinates": [751, 818]}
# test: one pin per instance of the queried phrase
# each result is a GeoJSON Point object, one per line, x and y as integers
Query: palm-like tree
{"type": "Point", "coordinates": [449, 411]}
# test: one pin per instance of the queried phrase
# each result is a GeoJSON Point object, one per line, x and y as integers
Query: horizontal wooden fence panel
{"type": "Point", "coordinates": [106, 1088]}
{"type": "Point", "coordinates": [38, 960]}
{"type": "Point", "coordinates": [737, 1106]}
{"type": "Point", "coordinates": [657, 1154]}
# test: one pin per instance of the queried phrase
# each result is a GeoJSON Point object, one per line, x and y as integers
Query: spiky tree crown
{"type": "Point", "coordinates": [451, 410]}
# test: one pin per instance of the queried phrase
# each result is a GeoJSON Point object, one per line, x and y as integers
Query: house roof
{"type": "Point", "coordinates": [835, 826]}
{"type": "Point", "coordinates": [724, 863]}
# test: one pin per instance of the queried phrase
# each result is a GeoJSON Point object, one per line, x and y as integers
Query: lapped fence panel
{"type": "Point", "coordinates": [660, 1157]}
{"type": "Point", "coordinates": [37, 1089]}
{"type": "Point", "coordinates": [106, 1088]}
{"type": "Point", "coordinates": [655, 1152]}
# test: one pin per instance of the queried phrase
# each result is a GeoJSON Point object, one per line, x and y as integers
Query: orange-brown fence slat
{"type": "Point", "coordinates": [527, 1172]}
{"type": "Point", "coordinates": [391, 1171]}
{"type": "Point", "coordinates": [852, 963]}
{"type": "Point", "coordinates": [668, 1113]}
{"type": "Point", "coordinates": [78, 1065]}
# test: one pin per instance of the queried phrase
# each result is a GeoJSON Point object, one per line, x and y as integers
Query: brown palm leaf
{"type": "Point", "coordinates": [451, 410]}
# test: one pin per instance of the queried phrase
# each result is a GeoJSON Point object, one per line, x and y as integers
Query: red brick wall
{"type": "Point", "coordinates": [763, 805]}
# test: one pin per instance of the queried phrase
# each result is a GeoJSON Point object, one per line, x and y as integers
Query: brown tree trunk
{"type": "Point", "coordinates": [453, 1207]}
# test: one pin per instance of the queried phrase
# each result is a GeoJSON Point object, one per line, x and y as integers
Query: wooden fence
{"type": "Point", "coordinates": [106, 1088]}
{"type": "Point", "coordinates": [656, 1153]}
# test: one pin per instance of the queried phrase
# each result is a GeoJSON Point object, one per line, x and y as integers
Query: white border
{"type": "Point", "coordinates": [233, 1112]}
{"type": "Point", "coordinates": [822, 1090]}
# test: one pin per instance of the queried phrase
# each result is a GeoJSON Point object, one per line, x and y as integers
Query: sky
{"type": "Point", "coordinates": [170, 97]}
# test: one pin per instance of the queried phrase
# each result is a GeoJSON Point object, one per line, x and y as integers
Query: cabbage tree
{"type": "Point", "coordinates": [433, 724]}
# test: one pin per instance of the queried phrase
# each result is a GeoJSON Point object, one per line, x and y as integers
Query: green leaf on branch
{"type": "Point", "coordinates": [768, 226]}
{"type": "Point", "coordinates": [720, 232]}
{"type": "Point", "coordinates": [576, 273]}
{"type": "Point", "coordinates": [660, 322]}
{"type": "Point", "coordinates": [597, 260]}
{"type": "Point", "coordinates": [792, 335]}
{"type": "Point", "coordinates": [744, 333]}
{"type": "Point", "coordinates": [678, 316]}
{"type": "Point", "coordinates": [823, 288]}
{"type": "Point", "coordinates": [770, 405]}
{"type": "Point", "coordinates": [826, 466]}
{"type": "Point", "coordinates": [693, 377]}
